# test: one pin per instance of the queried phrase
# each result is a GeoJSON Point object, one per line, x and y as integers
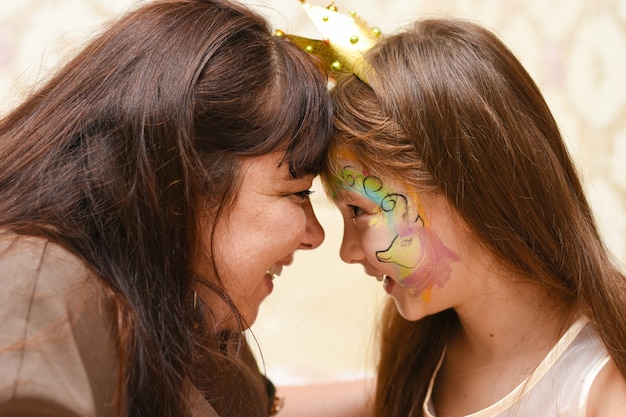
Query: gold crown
{"type": "Point", "coordinates": [346, 38]}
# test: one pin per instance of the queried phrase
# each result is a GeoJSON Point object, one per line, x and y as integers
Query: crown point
{"type": "Point", "coordinates": [345, 38]}
{"type": "Point", "coordinates": [279, 33]}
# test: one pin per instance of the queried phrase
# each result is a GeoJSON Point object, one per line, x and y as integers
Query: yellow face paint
{"type": "Point", "coordinates": [416, 257]}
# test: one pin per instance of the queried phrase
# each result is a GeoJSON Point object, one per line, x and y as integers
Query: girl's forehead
{"type": "Point", "coordinates": [348, 171]}
{"type": "Point", "coordinates": [354, 178]}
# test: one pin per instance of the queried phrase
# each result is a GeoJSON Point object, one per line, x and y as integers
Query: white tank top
{"type": "Point", "coordinates": [558, 387]}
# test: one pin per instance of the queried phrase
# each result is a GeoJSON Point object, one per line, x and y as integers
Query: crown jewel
{"type": "Point", "coordinates": [345, 39]}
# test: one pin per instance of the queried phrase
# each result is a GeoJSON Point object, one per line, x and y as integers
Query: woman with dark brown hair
{"type": "Point", "coordinates": [458, 193]}
{"type": "Point", "coordinates": [149, 193]}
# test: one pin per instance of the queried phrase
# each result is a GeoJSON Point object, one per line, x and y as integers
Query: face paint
{"type": "Point", "coordinates": [418, 258]}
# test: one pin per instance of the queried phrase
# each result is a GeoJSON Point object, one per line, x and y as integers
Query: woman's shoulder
{"type": "Point", "coordinates": [43, 279]}
{"type": "Point", "coordinates": [59, 345]}
{"type": "Point", "coordinates": [28, 261]}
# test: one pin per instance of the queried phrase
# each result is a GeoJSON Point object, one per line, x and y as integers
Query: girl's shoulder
{"type": "Point", "coordinates": [607, 397]}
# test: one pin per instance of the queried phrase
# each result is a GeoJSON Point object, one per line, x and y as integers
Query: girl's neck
{"type": "Point", "coordinates": [515, 318]}
{"type": "Point", "coordinates": [504, 334]}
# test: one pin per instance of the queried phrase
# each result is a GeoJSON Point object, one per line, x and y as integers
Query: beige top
{"type": "Point", "coordinates": [58, 353]}
{"type": "Point", "coordinates": [560, 384]}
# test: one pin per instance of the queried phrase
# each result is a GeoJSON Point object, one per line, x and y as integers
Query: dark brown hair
{"type": "Point", "coordinates": [449, 109]}
{"type": "Point", "coordinates": [113, 157]}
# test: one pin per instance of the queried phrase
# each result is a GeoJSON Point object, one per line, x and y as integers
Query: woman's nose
{"type": "Point", "coordinates": [314, 233]}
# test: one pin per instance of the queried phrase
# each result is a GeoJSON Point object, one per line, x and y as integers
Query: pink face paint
{"type": "Point", "coordinates": [420, 261]}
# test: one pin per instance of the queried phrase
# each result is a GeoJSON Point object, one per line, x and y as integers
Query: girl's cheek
{"type": "Point", "coordinates": [374, 242]}
{"type": "Point", "coordinates": [434, 266]}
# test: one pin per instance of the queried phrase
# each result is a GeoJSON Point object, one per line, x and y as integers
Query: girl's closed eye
{"type": "Point", "coordinates": [355, 210]}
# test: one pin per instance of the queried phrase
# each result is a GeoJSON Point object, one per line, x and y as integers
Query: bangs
{"type": "Point", "coordinates": [363, 133]}
{"type": "Point", "coordinates": [355, 131]}
{"type": "Point", "coordinates": [331, 174]}
{"type": "Point", "coordinates": [303, 111]}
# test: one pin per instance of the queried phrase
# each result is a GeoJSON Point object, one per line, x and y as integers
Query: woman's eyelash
{"type": "Point", "coordinates": [304, 194]}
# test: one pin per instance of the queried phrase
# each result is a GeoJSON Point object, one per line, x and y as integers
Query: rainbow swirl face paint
{"type": "Point", "coordinates": [395, 232]}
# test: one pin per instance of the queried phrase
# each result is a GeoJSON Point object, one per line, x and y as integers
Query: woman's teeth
{"type": "Point", "coordinates": [274, 271]}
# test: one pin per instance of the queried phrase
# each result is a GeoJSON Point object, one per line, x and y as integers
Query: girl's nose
{"type": "Point", "coordinates": [351, 250]}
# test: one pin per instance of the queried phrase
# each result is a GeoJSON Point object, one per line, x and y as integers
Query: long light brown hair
{"type": "Point", "coordinates": [116, 154]}
{"type": "Point", "coordinates": [449, 109]}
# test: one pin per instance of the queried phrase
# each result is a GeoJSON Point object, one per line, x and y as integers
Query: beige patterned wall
{"type": "Point", "coordinates": [317, 324]}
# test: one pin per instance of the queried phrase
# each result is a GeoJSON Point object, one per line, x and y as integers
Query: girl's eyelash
{"type": "Point", "coordinates": [355, 210]}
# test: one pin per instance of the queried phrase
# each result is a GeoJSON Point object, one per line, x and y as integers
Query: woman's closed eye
{"type": "Point", "coordinates": [304, 195]}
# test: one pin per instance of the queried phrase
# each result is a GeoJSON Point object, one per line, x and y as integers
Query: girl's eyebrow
{"type": "Point", "coordinates": [353, 197]}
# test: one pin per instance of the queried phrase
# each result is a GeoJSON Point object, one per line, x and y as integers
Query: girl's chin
{"type": "Point", "coordinates": [408, 313]}
{"type": "Point", "coordinates": [409, 306]}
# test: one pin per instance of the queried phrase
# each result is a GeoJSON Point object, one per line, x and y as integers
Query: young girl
{"type": "Point", "coordinates": [458, 193]}
{"type": "Point", "coordinates": [141, 193]}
